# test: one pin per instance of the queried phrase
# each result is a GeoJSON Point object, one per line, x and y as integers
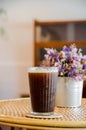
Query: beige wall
{"type": "Point", "coordinates": [16, 50]}
{"type": "Point", "coordinates": [16, 55]}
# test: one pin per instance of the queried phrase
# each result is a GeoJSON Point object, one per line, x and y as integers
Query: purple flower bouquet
{"type": "Point", "coordinates": [70, 61]}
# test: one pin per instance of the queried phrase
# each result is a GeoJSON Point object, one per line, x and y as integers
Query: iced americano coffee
{"type": "Point", "coordinates": [43, 83]}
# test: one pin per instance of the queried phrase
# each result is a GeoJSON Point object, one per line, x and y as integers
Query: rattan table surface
{"type": "Point", "coordinates": [13, 113]}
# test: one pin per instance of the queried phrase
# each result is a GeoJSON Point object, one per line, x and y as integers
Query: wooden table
{"type": "Point", "coordinates": [13, 113]}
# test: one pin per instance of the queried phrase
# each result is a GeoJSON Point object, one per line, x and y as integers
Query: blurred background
{"type": "Point", "coordinates": [17, 37]}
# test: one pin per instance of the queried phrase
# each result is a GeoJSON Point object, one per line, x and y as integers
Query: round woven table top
{"type": "Point", "coordinates": [13, 113]}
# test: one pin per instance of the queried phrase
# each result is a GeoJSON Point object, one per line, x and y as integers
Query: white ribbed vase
{"type": "Point", "coordinates": [69, 92]}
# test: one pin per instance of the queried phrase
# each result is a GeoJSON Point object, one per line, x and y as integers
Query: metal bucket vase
{"type": "Point", "coordinates": [69, 92]}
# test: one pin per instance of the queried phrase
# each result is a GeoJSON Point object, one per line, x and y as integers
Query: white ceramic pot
{"type": "Point", "coordinates": [69, 92]}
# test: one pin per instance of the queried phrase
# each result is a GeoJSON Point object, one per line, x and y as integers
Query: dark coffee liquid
{"type": "Point", "coordinates": [43, 91]}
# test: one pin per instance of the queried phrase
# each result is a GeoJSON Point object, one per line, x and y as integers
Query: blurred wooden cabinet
{"type": "Point", "coordinates": [55, 34]}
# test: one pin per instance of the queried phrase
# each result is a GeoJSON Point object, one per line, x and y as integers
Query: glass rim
{"type": "Point", "coordinates": [42, 69]}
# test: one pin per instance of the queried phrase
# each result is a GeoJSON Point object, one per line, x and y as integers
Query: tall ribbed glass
{"type": "Point", "coordinates": [43, 83]}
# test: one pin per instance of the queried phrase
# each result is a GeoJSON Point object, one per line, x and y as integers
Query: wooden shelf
{"type": "Point", "coordinates": [68, 31]}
